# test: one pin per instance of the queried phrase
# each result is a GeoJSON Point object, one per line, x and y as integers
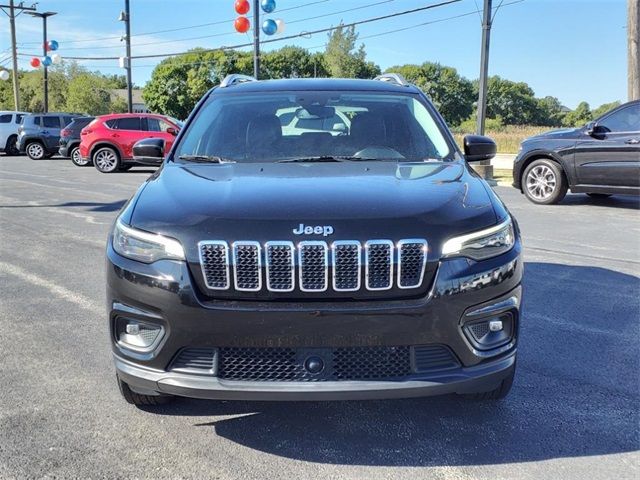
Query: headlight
{"type": "Point", "coordinates": [143, 246]}
{"type": "Point", "coordinates": [482, 244]}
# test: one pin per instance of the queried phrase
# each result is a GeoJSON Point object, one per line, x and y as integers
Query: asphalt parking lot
{"type": "Point", "coordinates": [574, 411]}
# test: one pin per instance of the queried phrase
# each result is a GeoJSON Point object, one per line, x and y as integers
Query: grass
{"type": "Point", "coordinates": [507, 138]}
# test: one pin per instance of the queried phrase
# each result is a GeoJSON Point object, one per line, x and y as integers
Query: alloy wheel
{"type": "Point", "coordinates": [77, 158]}
{"type": "Point", "coordinates": [106, 160]}
{"type": "Point", "coordinates": [541, 182]}
{"type": "Point", "coordinates": [35, 151]}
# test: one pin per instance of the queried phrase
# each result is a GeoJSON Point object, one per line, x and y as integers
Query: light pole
{"type": "Point", "coordinates": [256, 39]}
{"type": "Point", "coordinates": [126, 18]}
{"type": "Point", "coordinates": [44, 16]}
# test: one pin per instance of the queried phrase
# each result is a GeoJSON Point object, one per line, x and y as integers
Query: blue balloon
{"type": "Point", "coordinates": [268, 6]}
{"type": "Point", "coordinates": [269, 27]}
{"type": "Point", "coordinates": [46, 61]}
{"type": "Point", "coordinates": [53, 45]}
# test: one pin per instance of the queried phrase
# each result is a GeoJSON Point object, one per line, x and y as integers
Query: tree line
{"type": "Point", "coordinates": [177, 83]}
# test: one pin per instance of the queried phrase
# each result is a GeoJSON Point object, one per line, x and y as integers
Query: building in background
{"type": "Point", "coordinates": [138, 102]}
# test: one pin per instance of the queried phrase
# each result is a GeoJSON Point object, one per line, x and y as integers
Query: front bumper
{"type": "Point", "coordinates": [164, 293]}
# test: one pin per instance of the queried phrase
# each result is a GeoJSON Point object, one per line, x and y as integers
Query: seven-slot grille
{"type": "Point", "coordinates": [307, 265]}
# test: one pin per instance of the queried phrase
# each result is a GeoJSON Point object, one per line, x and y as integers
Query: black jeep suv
{"type": "Point", "coordinates": [353, 255]}
{"type": "Point", "coordinates": [70, 141]}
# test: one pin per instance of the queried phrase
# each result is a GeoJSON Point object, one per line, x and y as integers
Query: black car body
{"type": "Point", "coordinates": [70, 141]}
{"type": "Point", "coordinates": [313, 278]}
{"type": "Point", "coordinates": [600, 158]}
{"type": "Point", "coordinates": [39, 133]}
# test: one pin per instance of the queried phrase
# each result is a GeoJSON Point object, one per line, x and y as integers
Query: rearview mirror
{"type": "Point", "coordinates": [478, 148]}
{"type": "Point", "coordinates": [149, 151]}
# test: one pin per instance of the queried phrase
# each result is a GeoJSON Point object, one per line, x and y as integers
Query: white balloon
{"type": "Point", "coordinates": [56, 58]}
{"type": "Point", "coordinates": [4, 75]}
{"type": "Point", "coordinates": [280, 24]}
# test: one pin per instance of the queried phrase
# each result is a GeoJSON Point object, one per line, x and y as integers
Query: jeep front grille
{"type": "Point", "coordinates": [313, 266]}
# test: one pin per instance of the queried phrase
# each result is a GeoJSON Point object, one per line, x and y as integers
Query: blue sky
{"type": "Point", "coordinates": [572, 49]}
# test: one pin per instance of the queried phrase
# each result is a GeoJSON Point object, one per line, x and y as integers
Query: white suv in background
{"type": "Point", "coordinates": [9, 124]}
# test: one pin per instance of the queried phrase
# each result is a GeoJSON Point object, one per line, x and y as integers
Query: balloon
{"type": "Point", "coordinates": [242, 6]}
{"type": "Point", "coordinates": [55, 58]}
{"type": "Point", "coordinates": [269, 26]}
{"type": "Point", "coordinates": [268, 6]}
{"type": "Point", "coordinates": [4, 75]}
{"type": "Point", "coordinates": [280, 24]}
{"type": "Point", "coordinates": [242, 24]}
{"type": "Point", "coordinates": [35, 62]}
{"type": "Point", "coordinates": [46, 60]}
{"type": "Point", "coordinates": [52, 45]}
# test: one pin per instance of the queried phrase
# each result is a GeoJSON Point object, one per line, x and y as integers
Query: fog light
{"type": "Point", "coordinates": [495, 325]}
{"type": "Point", "coordinates": [137, 335]}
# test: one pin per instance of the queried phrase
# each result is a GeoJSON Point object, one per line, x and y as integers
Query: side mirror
{"type": "Point", "coordinates": [592, 129]}
{"type": "Point", "coordinates": [478, 148]}
{"type": "Point", "coordinates": [149, 151]}
{"type": "Point", "coordinates": [173, 131]}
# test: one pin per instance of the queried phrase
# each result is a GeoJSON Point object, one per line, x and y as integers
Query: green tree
{"type": "Point", "coordinates": [451, 93]}
{"type": "Point", "coordinates": [579, 116]}
{"type": "Point", "coordinates": [513, 102]}
{"type": "Point", "coordinates": [604, 108]}
{"type": "Point", "coordinates": [291, 62]}
{"type": "Point", "coordinates": [550, 112]}
{"type": "Point", "coordinates": [343, 59]}
{"type": "Point", "coordinates": [89, 94]}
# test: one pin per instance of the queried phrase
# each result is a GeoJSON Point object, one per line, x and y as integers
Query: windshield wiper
{"type": "Point", "coordinates": [205, 159]}
{"type": "Point", "coordinates": [327, 158]}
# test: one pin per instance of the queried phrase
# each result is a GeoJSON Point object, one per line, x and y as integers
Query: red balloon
{"type": "Point", "coordinates": [242, 24]}
{"type": "Point", "coordinates": [35, 62]}
{"type": "Point", "coordinates": [242, 6]}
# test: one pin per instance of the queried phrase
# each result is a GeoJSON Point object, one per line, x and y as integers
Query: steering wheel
{"type": "Point", "coordinates": [378, 151]}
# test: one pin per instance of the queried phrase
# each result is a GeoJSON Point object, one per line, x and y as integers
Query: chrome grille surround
{"type": "Point", "coordinates": [313, 266]}
{"type": "Point", "coordinates": [378, 256]}
{"type": "Point", "coordinates": [212, 269]}
{"type": "Point", "coordinates": [412, 260]}
{"type": "Point", "coordinates": [347, 271]}
{"type": "Point", "coordinates": [247, 266]}
{"type": "Point", "coordinates": [280, 266]}
{"type": "Point", "coordinates": [386, 265]}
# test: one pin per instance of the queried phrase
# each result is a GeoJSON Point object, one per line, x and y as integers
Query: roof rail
{"type": "Point", "coordinates": [393, 78]}
{"type": "Point", "coordinates": [236, 78]}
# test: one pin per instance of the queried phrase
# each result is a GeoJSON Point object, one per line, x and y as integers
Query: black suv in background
{"type": "Point", "coordinates": [600, 159]}
{"type": "Point", "coordinates": [266, 263]}
{"type": "Point", "coordinates": [70, 141]}
{"type": "Point", "coordinates": [39, 133]}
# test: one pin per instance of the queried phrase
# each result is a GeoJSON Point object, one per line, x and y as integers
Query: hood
{"type": "Point", "coordinates": [358, 200]}
{"type": "Point", "coordinates": [557, 134]}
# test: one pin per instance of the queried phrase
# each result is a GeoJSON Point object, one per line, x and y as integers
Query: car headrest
{"type": "Point", "coordinates": [263, 130]}
{"type": "Point", "coordinates": [368, 128]}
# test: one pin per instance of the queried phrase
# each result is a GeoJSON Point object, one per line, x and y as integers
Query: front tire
{"type": "Point", "coordinates": [77, 159]}
{"type": "Point", "coordinates": [35, 151]}
{"type": "Point", "coordinates": [106, 160]}
{"type": "Point", "coordinates": [10, 148]}
{"type": "Point", "coordinates": [500, 392]}
{"type": "Point", "coordinates": [141, 400]}
{"type": "Point", "coordinates": [543, 182]}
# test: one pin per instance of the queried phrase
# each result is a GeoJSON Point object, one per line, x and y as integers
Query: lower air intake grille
{"type": "Point", "coordinates": [291, 364]}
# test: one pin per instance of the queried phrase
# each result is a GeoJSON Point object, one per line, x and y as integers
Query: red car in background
{"type": "Point", "coordinates": [108, 140]}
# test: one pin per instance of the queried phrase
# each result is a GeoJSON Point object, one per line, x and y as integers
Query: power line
{"type": "Point", "coordinates": [280, 39]}
{"type": "Point", "coordinates": [188, 27]}
{"type": "Point", "coordinates": [235, 33]}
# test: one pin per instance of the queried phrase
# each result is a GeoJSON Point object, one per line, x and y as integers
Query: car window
{"type": "Point", "coordinates": [113, 123]}
{"type": "Point", "coordinates": [380, 126]}
{"type": "Point", "coordinates": [36, 120]}
{"type": "Point", "coordinates": [285, 118]}
{"type": "Point", "coordinates": [165, 125]}
{"type": "Point", "coordinates": [129, 123]}
{"type": "Point", "coordinates": [67, 120]}
{"type": "Point", "coordinates": [19, 118]}
{"type": "Point", "coordinates": [624, 120]}
{"type": "Point", "coordinates": [5, 118]}
{"type": "Point", "coordinates": [51, 122]}
{"type": "Point", "coordinates": [153, 125]}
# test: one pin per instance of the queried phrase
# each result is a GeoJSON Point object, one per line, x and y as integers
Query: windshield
{"type": "Point", "coordinates": [313, 126]}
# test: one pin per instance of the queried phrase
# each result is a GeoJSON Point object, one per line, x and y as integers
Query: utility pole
{"type": "Point", "coordinates": [126, 18]}
{"type": "Point", "coordinates": [633, 54]}
{"type": "Point", "coordinates": [256, 39]}
{"type": "Point", "coordinates": [14, 52]}
{"type": "Point", "coordinates": [44, 17]}
{"type": "Point", "coordinates": [484, 67]}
